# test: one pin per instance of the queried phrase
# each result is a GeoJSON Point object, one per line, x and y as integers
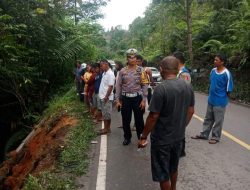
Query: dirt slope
{"type": "Point", "coordinates": [39, 153]}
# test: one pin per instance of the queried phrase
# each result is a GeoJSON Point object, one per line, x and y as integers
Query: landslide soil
{"type": "Point", "coordinates": [40, 153]}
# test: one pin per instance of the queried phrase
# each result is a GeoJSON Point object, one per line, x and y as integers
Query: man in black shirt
{"type": "Point", "coordinates": [171, 108]}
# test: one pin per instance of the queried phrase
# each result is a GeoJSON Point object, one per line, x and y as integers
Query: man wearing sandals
{"type": "Point", "coordinates": [106, 95]}
{"type": "Point", "coordinates": [221, 85]}
{"type": "Point", "coordinates": [171, 109]}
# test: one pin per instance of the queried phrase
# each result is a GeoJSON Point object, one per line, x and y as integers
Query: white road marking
{"type": "Point", "coordinates": [228, 135]}
{"type": "Point", "coordinates": [101, 174]}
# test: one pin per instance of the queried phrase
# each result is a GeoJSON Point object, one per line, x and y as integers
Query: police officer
{"type": "Point", "coordinates": [131, 95]}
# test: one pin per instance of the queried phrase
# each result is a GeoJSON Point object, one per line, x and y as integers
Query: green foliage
{"type": "Point", "coordinates": [32, 184]}
{"type": "Point", "coordinates": [39, 43]}
{"type": "Point", "coordinates": [15, 140]}
{"type": "Point", "coordinates": [73, 159]}
{"type": "Point", "coordinates": [49, 181]}
{"type": "Point", "coordinates": [212, 45]}
{"type": "Point", "coordinates": [221, 25]}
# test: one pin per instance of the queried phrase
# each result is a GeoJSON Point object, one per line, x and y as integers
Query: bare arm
{"type": "Point", "coordinates": [118, 86]}
{"type": "Point", "coordinates": [110, 88]}
{"type": "Point", "coordinates": [190, 113]}
{"type": "Point", "coordinates": [150, 124]}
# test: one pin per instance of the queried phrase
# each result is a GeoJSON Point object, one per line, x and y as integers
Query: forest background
{"type": "Point", "coordinates": [40, 41]}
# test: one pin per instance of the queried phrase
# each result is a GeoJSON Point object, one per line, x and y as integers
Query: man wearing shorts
{"type": "Point", "coordinates": [171, 109]}
{"type": "Point", "coordinates": [106, 95]}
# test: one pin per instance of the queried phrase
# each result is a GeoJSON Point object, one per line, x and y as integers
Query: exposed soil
{"type": "Point", "coordinates": [40, 152]}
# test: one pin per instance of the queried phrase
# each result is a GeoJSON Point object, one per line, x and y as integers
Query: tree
{"type": "Point", "coordinates": [38, 44]}
{"type": "Point", "coordinates": [189, 29]}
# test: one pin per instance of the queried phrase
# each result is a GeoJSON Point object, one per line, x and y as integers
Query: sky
{"type": "Point", "coordinates": [122, 12]}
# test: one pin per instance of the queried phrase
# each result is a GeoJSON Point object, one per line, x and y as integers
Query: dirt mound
{"type": "Point", "coordinates": [40, 152]}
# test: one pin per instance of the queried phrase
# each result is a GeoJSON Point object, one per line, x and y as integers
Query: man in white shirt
{"type": "Point", "coordinates": [106, 95]}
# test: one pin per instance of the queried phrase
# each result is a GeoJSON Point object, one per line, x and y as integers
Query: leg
{"type": "Point", "coordinates": [107, 125]}
{"type": "Point", "coordinates": [94, 106]}
{"type": "Point", "coordinates": [165, 185]}
{"type": "Point", "coordinates": [208, 122]}
{"type": "Point", "coordinates": [138, 115]}
{"type": "Point", "coordinates": [149, 95]}
{"type": "Point", "coordinates": [219, 113]}
{"type": "Point", "coordinates": [174, 162]}
{"type": "Point", "coordinates": [79, 89]}
{"type": "Point", "coordinates": [160, 165]}
{"type": "Point", "coordinates": [173, 179]}
{"type": "Point", "coordinates": [99, 115]}
{"type": "Point", "coordinates": [99, 108]}
{"type": "Point", "coordinates": [107, 109]}
{"type": "Point", "coordinates": [183, 145]}
{"type": "Point", "coordinates": [126, 111]}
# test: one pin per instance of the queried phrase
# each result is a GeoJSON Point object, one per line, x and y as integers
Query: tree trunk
{"type": "Point", "coordinates": [189, 29]}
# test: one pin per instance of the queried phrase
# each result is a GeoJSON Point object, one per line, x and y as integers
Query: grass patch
{"type": "Point", "coordinates": [73, 159]}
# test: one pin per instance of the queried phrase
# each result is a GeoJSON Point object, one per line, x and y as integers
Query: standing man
{"type": "Point", "coordinates": [78, 80]}
{"type": "Point", "coordinates": [96, 99]}
{"type": "Point", "coordinates": [183, 71]}
{"type": "Point", "coordinates": [85, 78]}
{"type": "Point", "coordinates": [106, 95]}
{"type": "Point", "coordinates": [185, 75]}
{"type": "Point", "coordinates": [221, 85]}
{"type": "Point", "coordinates": [131, 95]}
{"type": "Point", "coordinates": [143, 63]}
{"type": "Point", "coordinates": [171, 108]}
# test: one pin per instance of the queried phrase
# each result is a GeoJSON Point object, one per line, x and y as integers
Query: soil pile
{"type": "Point", "coordinates": [39, 153]}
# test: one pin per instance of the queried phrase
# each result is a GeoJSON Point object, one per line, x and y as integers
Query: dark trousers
{"type": "Point", "coordinates": [149, 95]}
{"type": "Point", "coordinates": [129, 105]}
{"type": "Point", "coordinates": [183, 146]}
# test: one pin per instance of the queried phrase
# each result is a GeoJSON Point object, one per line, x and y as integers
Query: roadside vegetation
{"type": "Point", "coordinates": [61, 157]}
{"type": "Point", "coordinates": [40, 41]}
{"type": "Point", "coordinates": [73, 159]}
{"type": "Point", "coordinates": [200, 29]}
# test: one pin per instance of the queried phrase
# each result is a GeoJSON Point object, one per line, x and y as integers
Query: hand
{"type": "Point", "coordinates": [118, 104]}
{"type": "Point", "coordinates": [142, 143]}
{"type": "Point", "coordinates": [142, 104]}
{"type": "Point", "coordinates": [105, 99]}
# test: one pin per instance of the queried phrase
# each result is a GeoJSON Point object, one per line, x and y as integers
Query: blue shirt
{"type": "Point", "coordinates": [98, 80]}
{"type": "Point", "coordinates": [220, 85]}
{"type": "Point", "coordinates": [184, 74]}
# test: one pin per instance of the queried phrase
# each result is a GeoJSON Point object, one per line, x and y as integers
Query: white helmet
{"type": "Point", "coordinates": [131, 51]}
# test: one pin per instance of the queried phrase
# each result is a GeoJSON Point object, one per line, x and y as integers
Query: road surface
{"type": "Point", "coordinates": [223, 166]}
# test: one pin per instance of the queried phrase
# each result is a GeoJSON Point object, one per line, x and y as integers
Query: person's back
{"type": "Point", "coordinates": [184, 74]}
{"type": "Point", "coordinates": [176, 96]}
{"type": "Point", "coordinates": [171, 109]}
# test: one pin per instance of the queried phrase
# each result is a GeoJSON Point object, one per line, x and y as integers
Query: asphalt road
{"type": "Point", "coordinates": [223, 166]}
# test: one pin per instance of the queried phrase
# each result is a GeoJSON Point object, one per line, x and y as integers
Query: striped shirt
{"type": "Point", "coordinates": [132, 81]}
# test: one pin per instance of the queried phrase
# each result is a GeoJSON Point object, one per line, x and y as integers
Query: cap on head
{"type": "Point", "coordinates": [131, 51]}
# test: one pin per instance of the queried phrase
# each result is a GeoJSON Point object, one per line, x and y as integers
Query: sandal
{"type": "Point", "coordinates": [213, 141]}
{"type": "Point", "coordinates": [199, 137]}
